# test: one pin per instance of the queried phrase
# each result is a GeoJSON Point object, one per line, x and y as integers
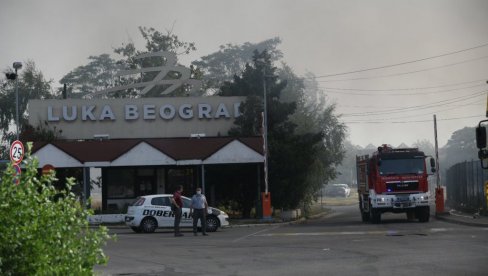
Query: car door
{"type": "Point", "coordinates": [186, 219]}
{"type": "Point", "coordinates": [163, 214]}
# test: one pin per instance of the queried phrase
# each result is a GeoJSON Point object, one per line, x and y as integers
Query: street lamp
{"type": "Point", "coordinates": [14, 76]}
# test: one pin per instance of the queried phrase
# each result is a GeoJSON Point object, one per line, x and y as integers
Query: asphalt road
{"type": "Point", "coordinates": [339, 244]}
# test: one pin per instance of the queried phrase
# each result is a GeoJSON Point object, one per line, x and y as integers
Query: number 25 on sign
{"type": "Point", "coordinates": [16, 152]}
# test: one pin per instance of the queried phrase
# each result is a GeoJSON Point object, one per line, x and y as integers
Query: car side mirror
{"type": "Point", "coordinates": [481, 137]}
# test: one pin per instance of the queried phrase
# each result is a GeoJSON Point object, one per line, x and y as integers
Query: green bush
{"type": "Point", "coordinates": [45, 231]}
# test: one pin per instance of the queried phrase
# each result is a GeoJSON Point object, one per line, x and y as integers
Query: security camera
{"type": "Point", "coordinates": [17, 65]}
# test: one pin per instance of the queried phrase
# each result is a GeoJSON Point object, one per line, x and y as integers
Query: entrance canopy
{"type": "Point", "coordinates": [150, 152]}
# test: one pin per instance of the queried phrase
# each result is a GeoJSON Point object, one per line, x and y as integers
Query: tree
{"type": "Point", "coordinates": [31, 85]}
{"type": "Point", "coordinates": [315, 114]}
{"type": "Point", "coordinates": [291, 156]}
{"type": "Point", "coordinates": [425, 146]}
{"type": "Point", "coordinates": [459, 148]}
{"type": "Point", "coordinates": [101, 71]}
{"type": "Point", "coordinates": [231, 60]}
{"type": "Point", "coordinates": [98, 74]}
{"type": "Point", "coordinates": [45, 231]}
{"type": "Point", "coordinates": [346, 171]}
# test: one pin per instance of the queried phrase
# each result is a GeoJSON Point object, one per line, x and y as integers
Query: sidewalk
{"type": "Point", "coordinates": [454, 216]}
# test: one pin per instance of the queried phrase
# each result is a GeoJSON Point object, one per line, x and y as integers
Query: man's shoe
{"type": "Point", "coordinates": [205, 234]}
{"type": "Point", "coordinates": [179, 235]}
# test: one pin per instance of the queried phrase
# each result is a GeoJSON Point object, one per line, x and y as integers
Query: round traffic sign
{"type": "Point", "coordinates": [16, 152]}
{"type": "Point", "coordinates": [17, 173]}
{"type": "Point", "coordinates": [46, 169]}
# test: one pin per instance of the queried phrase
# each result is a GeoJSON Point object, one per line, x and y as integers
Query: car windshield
{"type": "Point", "coordinates": [402, 166]}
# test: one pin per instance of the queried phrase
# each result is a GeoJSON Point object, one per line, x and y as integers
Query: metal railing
{"type": "Point", "coordinates": [465, 187]}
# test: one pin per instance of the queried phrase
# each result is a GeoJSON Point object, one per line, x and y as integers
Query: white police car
{"type": "Point", "coordinates": [149, 212]}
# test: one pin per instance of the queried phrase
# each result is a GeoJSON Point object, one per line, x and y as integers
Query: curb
{"type": "Point", "coordinates": [298, 221]}
{"type": "Point", "coordinates": [447, 218]}
{"type": "Point", "coordinates": [109, 226]}
{"type": "Point", "coordinates": [264, 224]}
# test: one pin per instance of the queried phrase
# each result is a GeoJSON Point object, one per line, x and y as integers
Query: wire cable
{"type": "Point", "coordinates": [402, 94]}
{"type": "Point", "coordinates": [409, 72]}
{"type": "Point", "coordinates": [402, 63]}
{"type": "Point", "coordinates": [429, 113]}
{"type": "Point", "coordinates": [405, 89]}
{"type": "Point", "coordinates": [407, 122]}
{"type": "Point", "coordinates": [417, 107]}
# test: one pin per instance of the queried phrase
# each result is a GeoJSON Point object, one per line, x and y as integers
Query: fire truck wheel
{"type": "Point", "coordinates": [423, 214]}
{"type": "Point", "coordinates": [410, 215]}
{"type": "Point", "coordinates": [364, 216]}
{"type": "Point", "coordinates": [374, 215]}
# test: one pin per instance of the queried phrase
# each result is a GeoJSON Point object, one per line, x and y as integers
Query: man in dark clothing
{"type": "Point", "coordinates": [178, 207]}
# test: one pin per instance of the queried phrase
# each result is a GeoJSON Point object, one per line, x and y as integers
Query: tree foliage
{"type": "Point", "coordinates": [426, 146]}
{"type": "Point", "coordinates": [460, 147]}
{"type": "Point", "coordinates": [298, 161]}
{"type": "Point", "coordinates": [31, 85]}
{"type": "Point", "coordinates": [98, 74]}
{"type": "Point", "coordinates": [45, 231]}
{"type": "Point", "coordinates": [316, 114]}
{"type": "Point", "coordinates": [101, 71]}
{"type": "Point", "coordinates": [231, 59]}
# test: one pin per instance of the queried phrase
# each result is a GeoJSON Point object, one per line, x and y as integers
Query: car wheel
{"type": "Point", "coordinates": [136, 229]}
{"type": "Point", "coordinates": [212, 223]}
{"type": "Point", "coordinates": [149, 225]}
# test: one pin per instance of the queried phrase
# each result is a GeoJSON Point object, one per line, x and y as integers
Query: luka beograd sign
{"type": "Point", "coordinates": [142, 117]}
{"type": "Point", "coordinates": [136, 118]}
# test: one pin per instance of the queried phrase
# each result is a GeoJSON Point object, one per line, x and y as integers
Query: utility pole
{"type": "Point", "coordinates": [266, 196]}
{"type": "Point", "coordinates": [439, 191]}
{"type": "Point", "coordinates": [265, 132]}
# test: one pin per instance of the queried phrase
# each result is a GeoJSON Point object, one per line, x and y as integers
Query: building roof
{"type": "Point", "coordinates": [178, 149]}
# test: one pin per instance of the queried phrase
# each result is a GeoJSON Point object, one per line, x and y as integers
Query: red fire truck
{"type": "Point", "coordinates": [394, 180]}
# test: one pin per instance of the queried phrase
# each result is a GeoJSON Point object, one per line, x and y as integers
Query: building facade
{"type": "Point", "coordinates": [124, 148]}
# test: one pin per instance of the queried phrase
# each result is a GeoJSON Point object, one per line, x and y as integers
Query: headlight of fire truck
{"type": "Point", "coordinates": [380, 199]}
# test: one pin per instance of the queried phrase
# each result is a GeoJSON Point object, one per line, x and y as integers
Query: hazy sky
{"type": "Point", "coordinates": [323, 37]}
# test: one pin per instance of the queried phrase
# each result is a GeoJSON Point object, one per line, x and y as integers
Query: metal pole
{"type": "Point", "coordinates": [17, 103]}
{"type": "Point", "coordinates": [203, 179]}
{"type": "Point", "coordinates": [438, 179]}
{"type": "Point", "coordinates": [265, 131]}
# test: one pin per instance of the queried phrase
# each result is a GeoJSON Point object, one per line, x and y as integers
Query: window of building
{"type": "Point", "coordinates": [120, 183]}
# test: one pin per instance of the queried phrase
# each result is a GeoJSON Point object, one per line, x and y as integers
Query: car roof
{"type": "Point", "coordinates": [159, 195]}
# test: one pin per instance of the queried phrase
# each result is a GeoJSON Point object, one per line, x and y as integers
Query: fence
{"type": "Point", "coordinates": [465, 186]}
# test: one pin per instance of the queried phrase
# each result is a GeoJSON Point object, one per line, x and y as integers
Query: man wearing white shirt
{"type": "Point", "coordinates": [198, 209]}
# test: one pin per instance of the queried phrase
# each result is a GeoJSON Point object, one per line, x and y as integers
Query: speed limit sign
{"type": "Point", "coordinates": [16, 152]}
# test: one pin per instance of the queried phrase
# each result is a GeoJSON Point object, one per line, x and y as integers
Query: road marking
{"type": "Point", "coordinates": [391, 233]}
{"type": "Point", "coordinates": [357, 233]}
{"type": "Point", "coordinates": [254, 234]}
{"type": "Point", "coordinates": [434, 230]}
{"type": "Point", "coordinates": [342, 233]}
